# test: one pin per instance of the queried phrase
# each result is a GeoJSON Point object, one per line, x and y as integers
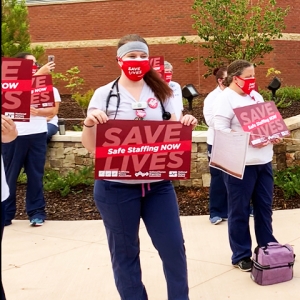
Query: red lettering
{"type": "Point", "coordinates": [269, 107]}
{"type": "Point", "coordinates": [175, 160]}
{"type": "Point", "coordinates": [11, 100]}
{"type": "Point", "coordinates": [152, 138]}
{"type": "Point", "coordinates": [138, 165]}
{"type": "Point", "coordinates": [158, 161]}
{"type": "Point", "coordinates": [45, 97]}
{"type": "Point", "coordinates": [9, 70]}
{"type": "Point", "coordinates": [110, 136]}
{"type": "Point", "coordinates": [245, 118]}
{"type": "Point", "coordinates": [254, 115]}
{"type": "Point", "coordinates": [38, 81]}
{"type": "Point", "coordinates": [279, 125]}
{"type": "Point", "coordinates": [173, 136]}
{"type": "Point", "coordinates": [155, 62]}
{"type": "Point", "coordinates": [134, 137]}
{"type": "Point", "coordinates": [35, 99]}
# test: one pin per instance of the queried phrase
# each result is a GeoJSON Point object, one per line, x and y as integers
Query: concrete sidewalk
{"type": "Point", "coordinates": [69, 260]}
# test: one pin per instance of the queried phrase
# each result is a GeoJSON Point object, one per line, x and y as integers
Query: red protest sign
{"type": "Point", "coordinates": [263, 121]}
{"type": "Point", "coordinates": [158, 64]}
{"type": "Point", "coordinates": [42, 91]}
{"type": "Point", "coordinates": [143, 150]}
{"type": "Point", "coordinates": [16, 75]}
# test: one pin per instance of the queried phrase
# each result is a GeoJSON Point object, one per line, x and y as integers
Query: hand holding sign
{"type": "Point", "coordinates": [148, 150]}
{"type": "Point", "coordinates": [263, 121]}
{"type": "Point", "coordinates": [16, 75]}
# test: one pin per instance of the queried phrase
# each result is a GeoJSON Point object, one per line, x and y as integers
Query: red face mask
{"type": "Point", "coordinates": [168, 76]}
{"type": "Point", "coordinates": [135, 69]}
{"type": "Point", "coordinates": [249, 85]}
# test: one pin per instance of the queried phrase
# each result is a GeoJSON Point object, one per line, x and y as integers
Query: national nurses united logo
{"type": "Point", "coordinates": [9, 114]}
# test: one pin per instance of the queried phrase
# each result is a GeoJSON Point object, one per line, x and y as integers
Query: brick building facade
{"type": "Point", "coordinates": [85, 34]}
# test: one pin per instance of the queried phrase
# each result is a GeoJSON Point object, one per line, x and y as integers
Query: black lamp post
{"type": "Point", "coordinates": [274, 86]}
{"type": "Point", "coordinates": [189, 92]}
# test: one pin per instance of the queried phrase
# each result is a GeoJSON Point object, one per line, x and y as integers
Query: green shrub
{"type": "Point", "coordinates": [291, 93]}
{"type": "Point", "coordinates": [201, 127]}
{"type": "Point", "coordinates": [22, 177]}
{"type": "Point", "coordinates": [55, 181]}
{"type": "Point", "coordinates": [289, 181]}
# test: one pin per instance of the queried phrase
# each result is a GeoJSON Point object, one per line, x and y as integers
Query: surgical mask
{"type": "Point", "coordinates": [249, 85]}
{"type": "Point", "coordinates": [135, 69]}
{"type": "Point", "coordinates": [168, 76]}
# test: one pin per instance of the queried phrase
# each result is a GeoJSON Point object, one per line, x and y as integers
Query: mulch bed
{"type": "Point", "coordinates": [79, 204]}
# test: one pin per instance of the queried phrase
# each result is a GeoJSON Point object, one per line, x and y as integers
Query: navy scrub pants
{"type": "Point", "coordinates": [28, 151]}
{"type": "Point", "coordinates": [52, 130]}
{"type": "Point", "coordinates": [257, 184]}
{"type": "Point", "coordinates": [217, 192]}
{"type": "Point", "coordinates": [121, 206]}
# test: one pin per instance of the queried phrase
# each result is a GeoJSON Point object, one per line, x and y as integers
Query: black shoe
{"type": "Point", "coordinates": [7, 223]}
{"type": "Point", "coordinates": [244, 264]}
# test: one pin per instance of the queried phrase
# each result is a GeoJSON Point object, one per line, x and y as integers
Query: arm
{"type": "Point", "coordinates": [88, 138]}
{"type": "Point", "coordinates": [42, 112]}
{"type": "Point", "coordinates": [222, 123]}
{"type": "Point", "coordinates": [45, 69]}
{"type": "Point", "coordinates": [55, 112]}
{"type": "Point", "coordinates": [208, 113]}
{"type": "Point", "coordinates": [8, 129]}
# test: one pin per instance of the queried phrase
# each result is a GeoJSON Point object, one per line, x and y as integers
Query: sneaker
{"type": "Point", "coordinates": [224, 219]}
{"type": "Point", "coordinates": [215, 220]}
{"type": "Point", "coordinates": [36, 222]}
{"type": "Point", "coordinates": [244, 265]}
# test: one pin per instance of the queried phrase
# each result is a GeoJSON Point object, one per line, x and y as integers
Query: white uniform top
{"type": "Point", "coordinates": [125, 111]}
{"type": "Point", "coordinates": [225, 119]}
{"type": "Point", "coordinates": [4, 186]}
{"type": "Point", "coordinates": [56, 99]}
{"type": "Point", "coordinates": [177, 98]}
{"type": "Point", "coordinates": [208, 114]}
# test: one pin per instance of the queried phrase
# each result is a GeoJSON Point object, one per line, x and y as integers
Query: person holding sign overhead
{"type": "Point", "coordinates": [257, 182]}
{"type": "Point", "coordinates": [28, 150]}
{"type": "Point", "coordinates": [122, 203]}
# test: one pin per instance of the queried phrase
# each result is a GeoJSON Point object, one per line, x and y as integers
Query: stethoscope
{"type": "Point", "coordinates": [165, 114]}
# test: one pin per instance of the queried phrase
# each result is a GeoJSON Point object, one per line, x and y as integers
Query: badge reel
{"type": "Point", "coordinates": [139, 105]}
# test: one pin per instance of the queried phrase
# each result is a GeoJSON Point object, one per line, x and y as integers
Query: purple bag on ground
{"type": "Point", "coordinates": [272, 264]}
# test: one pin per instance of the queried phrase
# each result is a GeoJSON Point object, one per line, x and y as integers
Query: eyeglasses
{"type": "Point", "coordinates": [140, 114]}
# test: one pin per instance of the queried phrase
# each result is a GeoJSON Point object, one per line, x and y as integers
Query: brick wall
{"type": "Point", "coordinates": [107, 20]}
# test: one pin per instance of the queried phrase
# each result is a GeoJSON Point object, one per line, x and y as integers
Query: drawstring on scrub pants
{"type": "Point", "coordinates": [143, 188]}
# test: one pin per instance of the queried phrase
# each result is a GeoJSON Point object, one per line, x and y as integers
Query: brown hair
{"type": "Point", "coordinates": [219, 73]}
{"type": "Point", "coordinates": [22, 54]}
{"type": "Point", "coordinates": [159, 87]}
{"type": "Point", "coordinates": [236, 68]}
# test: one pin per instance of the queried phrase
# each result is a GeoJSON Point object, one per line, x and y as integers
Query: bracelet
{"type": "Point", "coordinates": [88, 126]}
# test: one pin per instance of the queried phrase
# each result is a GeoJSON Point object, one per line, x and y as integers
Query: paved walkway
{"type": "Point", "coordinates": [69, 260]}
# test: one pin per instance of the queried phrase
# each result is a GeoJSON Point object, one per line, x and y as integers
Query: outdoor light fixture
{"type": "Point", "coordinates": [274, 86]}
{"type": "Point", "coordinates": [189, 92]}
